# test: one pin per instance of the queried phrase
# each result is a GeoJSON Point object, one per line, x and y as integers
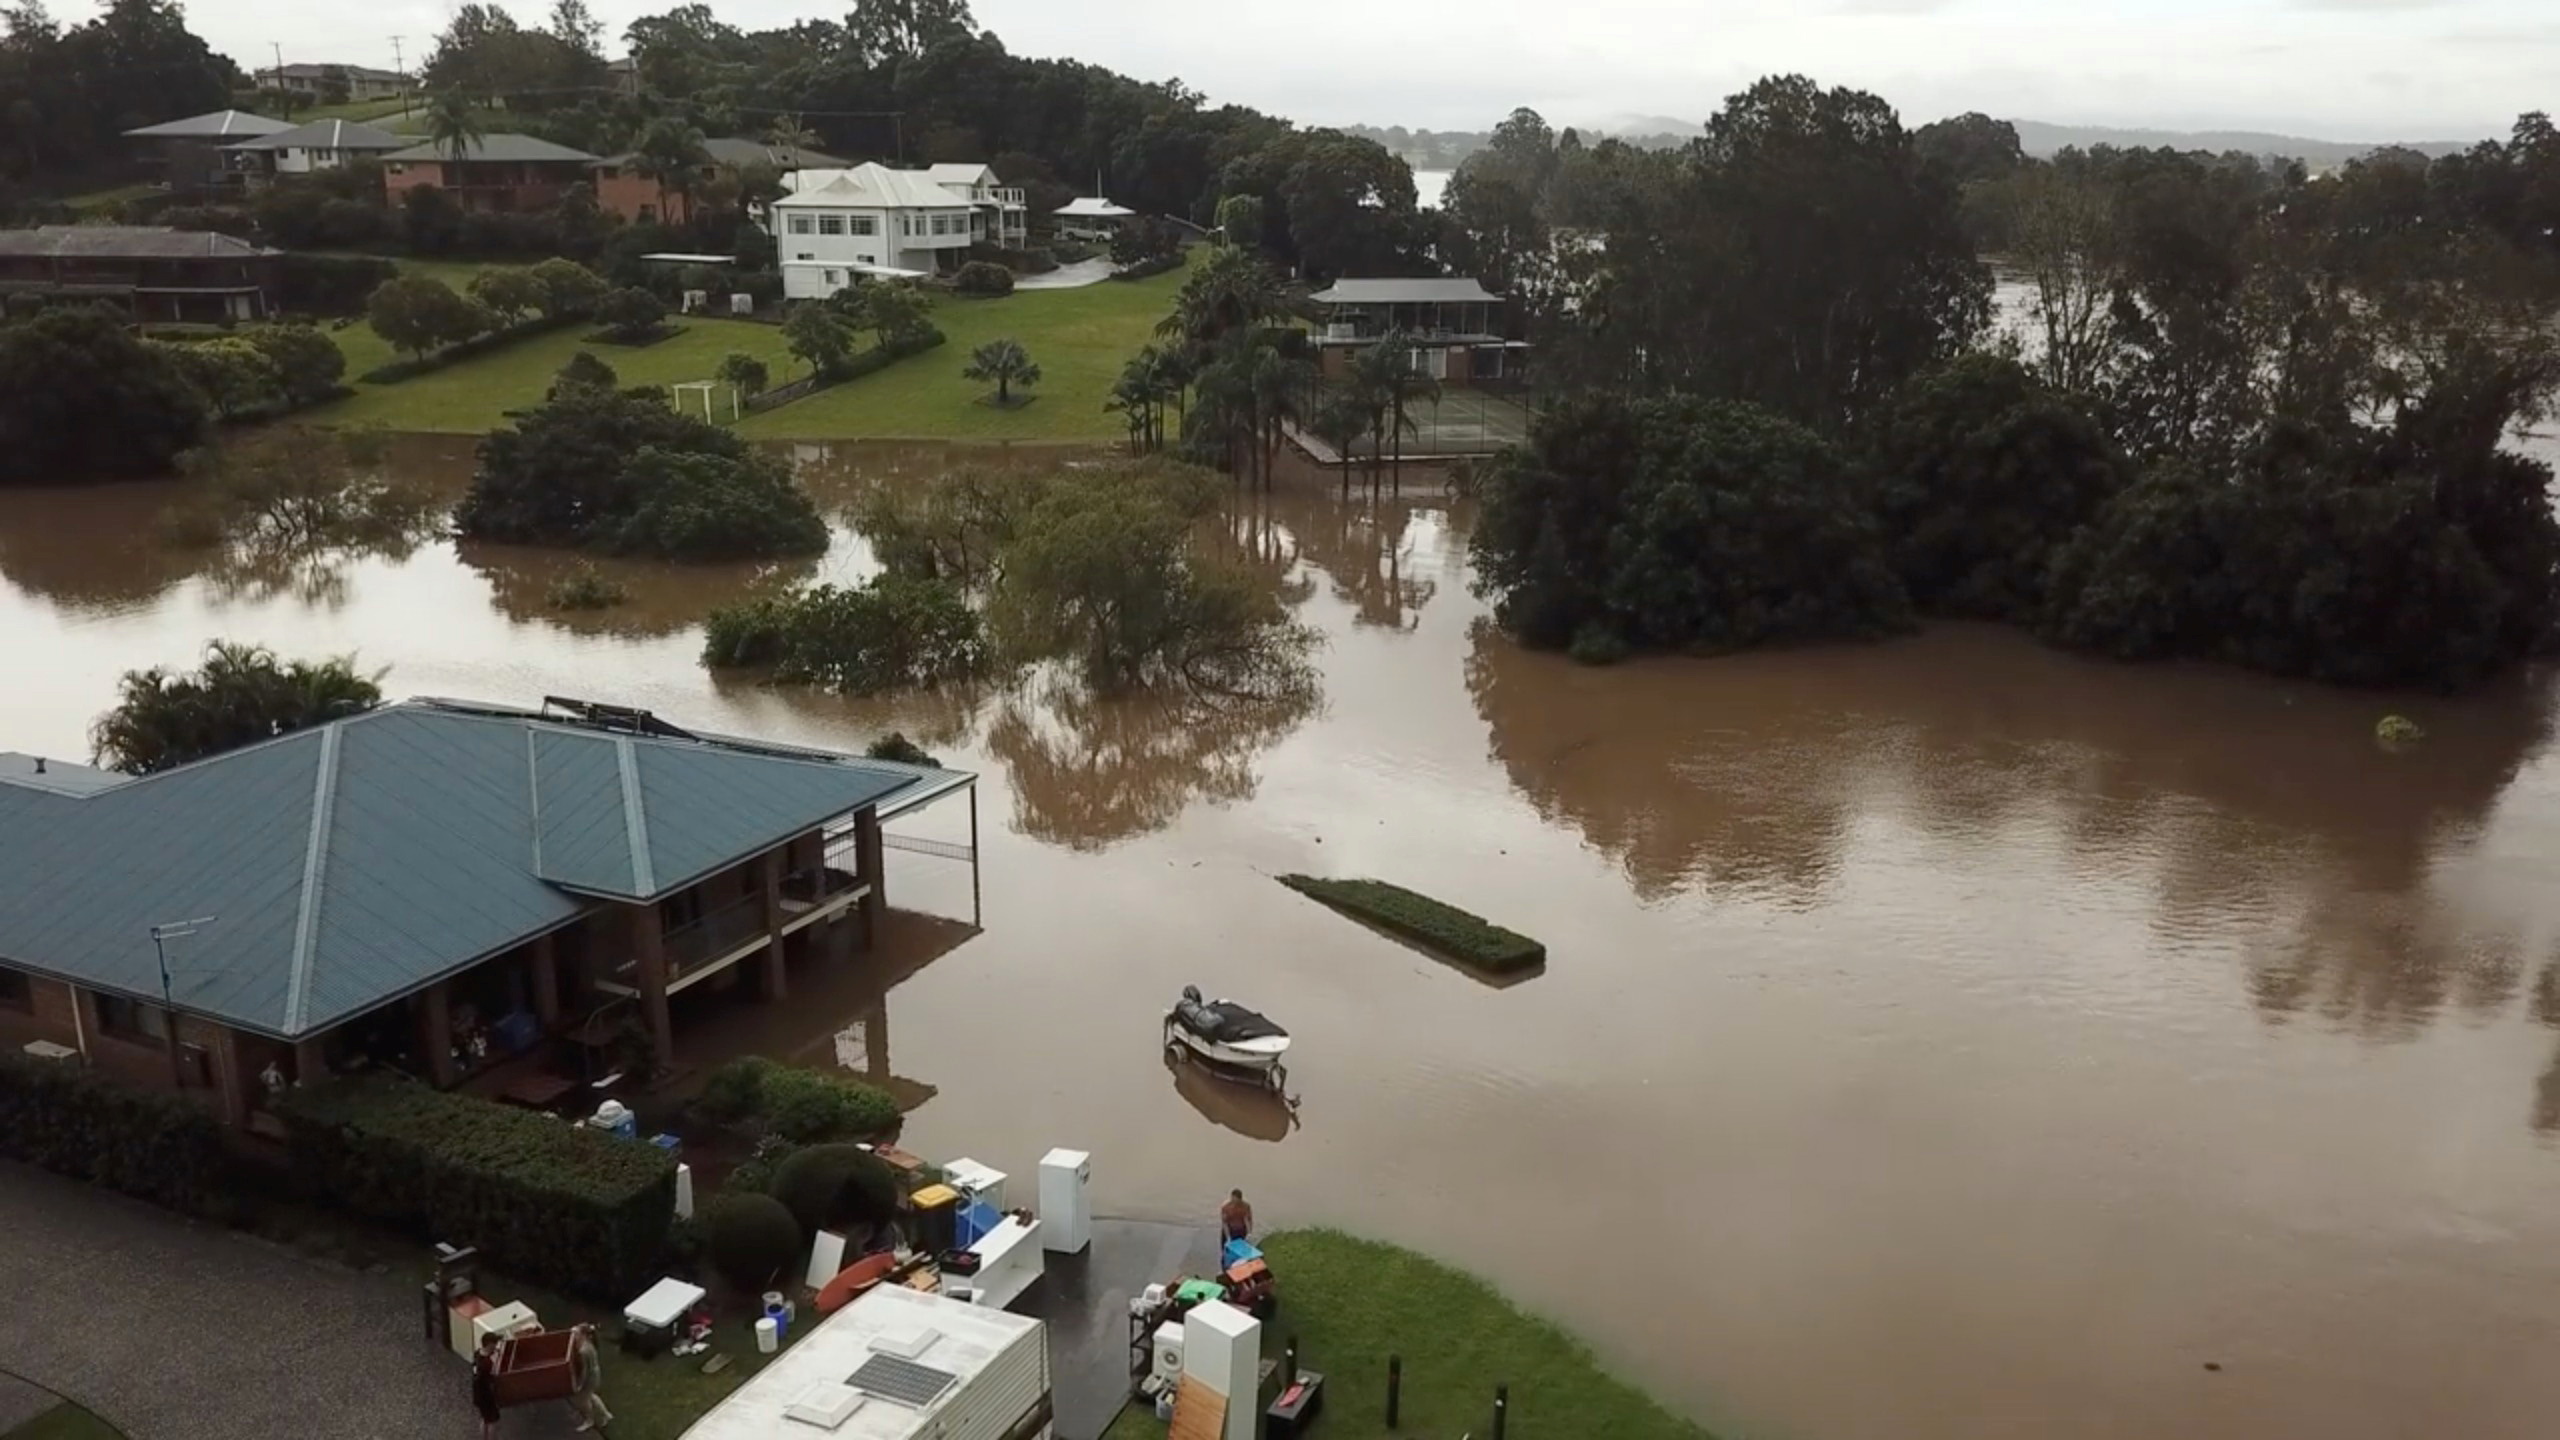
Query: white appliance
{"type": "Point", "coordinates": [983, 1182]}
{"type": "Point", "coordinates": [1009, 1262]}
{"type": "Point", "coordinates": [508, 1320]}
{"type": "Point", "coordinates": [1222, 1349]}
{"type": "Point", "coordinates": [1066, 1203]}
{"type": "Point", "coordinates": [1167, 1364]}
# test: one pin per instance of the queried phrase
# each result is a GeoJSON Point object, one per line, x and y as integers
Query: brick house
{"type": "Point", "coordinates": [436, 885]}
{"type": "Point", "coordinates": [157, 273]}
{"type": "Point", "coordinates": [622, 189]}
{"type": "Point", "coordinates": [493, 172]}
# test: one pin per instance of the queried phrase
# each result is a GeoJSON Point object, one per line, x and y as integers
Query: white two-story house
{"type": "Point", "coordinates": [834, 225]}
{"type": "Point", "coordinates": [1007, 215]}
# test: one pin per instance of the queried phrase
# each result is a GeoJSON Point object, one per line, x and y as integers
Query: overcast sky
{"type": "Point", "coordinates": [2332, 69]}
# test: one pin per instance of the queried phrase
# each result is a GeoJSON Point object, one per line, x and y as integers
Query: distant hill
{"type": "Point", "coordinates": [2043, 140]}
{"type": "Point", "coordinates": [1443, 149]}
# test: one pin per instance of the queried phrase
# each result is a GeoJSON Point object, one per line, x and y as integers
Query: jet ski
{"type": "Point", "coordinates": [1228, 1036]}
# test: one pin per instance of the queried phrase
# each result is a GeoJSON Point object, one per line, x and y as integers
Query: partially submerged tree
{"type": "Point", "coordinates": [81, 399]}
{"type": "Point", "coordinates": [241, 695]}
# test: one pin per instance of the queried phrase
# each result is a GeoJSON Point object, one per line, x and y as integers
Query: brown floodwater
{"type": "Point", "coordinates": [1942, 1038]}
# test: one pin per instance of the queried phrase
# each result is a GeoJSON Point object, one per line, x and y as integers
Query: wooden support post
{"type": "Point", "coordinates": [230, 1076]}
{"type": "Point", "coordinates": [1501, 1409]}
{"type": "Point", "coordinates": [435, 1031]}
{"type": "Point", "coordinates": [649, 947]}
{"type": "Point", "coordinates": [1395, 1387]}
{"type": "Point", "coordinates": [310, 1060]}
{"type": "Point", "coordinates": [777, 978]}
{"type": "Point", "coordinates": [867, 851]}
{"type": "Point", "coordinates": [545, 969]}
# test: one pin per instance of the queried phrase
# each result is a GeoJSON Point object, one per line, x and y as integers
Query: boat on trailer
{"type": "Point", "coordinates": [1229, 1038]}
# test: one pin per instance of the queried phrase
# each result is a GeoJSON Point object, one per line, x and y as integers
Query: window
{"type": "Point", "coordinates": [941, 224]}
{"type": "Point", "coordinates": [132, 1020]}
{"type": "Point", "coordinates": [804, 255]}
{"type": "Point", "coordinates": [830, 224]}
{"type": "Point", "coordinates": [835, 277]}
{"type": "Point", "coordinates": [800, 225]}
{"type": "Point", "coordinates": [906, 224]}
{"type": "Point", "coordinates": [17, 992]}
{"type": "Point", "coordinates": [865, 225]}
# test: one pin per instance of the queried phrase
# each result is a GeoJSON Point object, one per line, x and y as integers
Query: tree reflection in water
{"type": "Point", "coordinates": [1364, 546]}
{"type": "Point", "coordinates": [2246, 805]}
{"type": "Point", "coordinates": [664, 598]}
{"type": "Point", "coordinates": [1088, 771]}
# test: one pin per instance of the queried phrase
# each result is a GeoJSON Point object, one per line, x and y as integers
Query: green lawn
{"type": "Point", "coordinates": [650, 1399]}
{"type": "Point", "coordinates": [473, 397]}
{"type": "Point", "coordinates": [65, 1421]}
{"type": "Point", "coordinates": [1079, 338]}
{"type": "Point", "coordinates": [97, 200]}
{"type": "Point", "coordinates": [1353, 1302]}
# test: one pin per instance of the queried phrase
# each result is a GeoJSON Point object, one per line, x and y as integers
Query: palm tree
{"type": "Point", "coordinates": [242, 695]}
{"type": "Point", "coordinates": [1222, 408]}
{"type": "Point", "coordinates": [1006, 363]}
{"type": "Point", "coordinates": [1279, 385]}
{"type": "Point", "coordinates": [452, 125]}
{"type": "Point", "coordinates": [1231, 290]}
{"type": "Point", "coordinates": [790, 136]}
{"type": "Point", "coordinates": [1340, 421]}
{"type": "Point", "coordinates": [1399, 385]}
{"type": "Point", "coordinates": [671, 156]}
{"type": "Point", "coordinates": [1140, 394]}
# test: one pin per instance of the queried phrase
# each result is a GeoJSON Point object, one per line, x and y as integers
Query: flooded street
{"type": "Point", "coordinates": [1946, 1038]}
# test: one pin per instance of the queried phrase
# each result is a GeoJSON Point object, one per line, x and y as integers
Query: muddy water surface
{"type": "Point", "coordinates": [1944, 1038]}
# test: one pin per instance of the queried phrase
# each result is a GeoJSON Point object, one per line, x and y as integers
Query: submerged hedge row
{"type": "Point", "coordinates": [558, 1204]}
{"type": "Point", "coordinates": [1425, 921]}
{"type": "Point", "coordinates": [75, 1122]}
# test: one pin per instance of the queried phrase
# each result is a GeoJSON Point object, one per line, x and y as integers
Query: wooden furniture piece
{"type": "Point", "coordinates": [537, 1367]}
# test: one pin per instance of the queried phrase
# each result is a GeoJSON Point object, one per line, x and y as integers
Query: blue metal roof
{"type": "Point", "coordinates": [350, 864]}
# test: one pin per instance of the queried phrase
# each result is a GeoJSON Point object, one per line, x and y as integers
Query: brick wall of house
{"type": "Point", "coordinates": [68, 1016]}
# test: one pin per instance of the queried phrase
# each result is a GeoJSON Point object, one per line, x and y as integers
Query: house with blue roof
{"type": "Point", "coordinates": [434, 884]}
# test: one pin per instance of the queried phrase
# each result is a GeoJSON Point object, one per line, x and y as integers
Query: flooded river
{"type": "Point", "coordinates": [1947, 1038]}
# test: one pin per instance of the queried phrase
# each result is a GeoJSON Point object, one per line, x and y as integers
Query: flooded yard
{"type": "Point", "coordinates": [1943, 1038]}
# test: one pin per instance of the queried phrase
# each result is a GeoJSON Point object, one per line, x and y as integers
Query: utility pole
{"type": "Point", "coordinates": [160, 936]}
{"type": "Point", "coordinates": [279, 49]}
{"type": "Point", "coordinates": [400, 67]}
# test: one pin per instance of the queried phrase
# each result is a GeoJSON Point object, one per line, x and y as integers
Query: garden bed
{"type": "Point", "coordinates": [1444, 929]}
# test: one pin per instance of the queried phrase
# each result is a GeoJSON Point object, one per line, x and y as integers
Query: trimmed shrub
{"type": "Point", "coordinates": [750, 1239]}
{"type": "Point", "coordinates": [804, 1107]}
{"type": "Point", "coordinates": [75, 1122]}
{"type": "Point", "coordinates": [754, 1175]}
{"type": "Point", "coordinates": [832, 1187]}
{"type": "Point", "coordinates": [560, 1205]}
{"type": "Point", "coordinates": [983, 278]}
{"type": "Point", "coordinates": [1425, 921]}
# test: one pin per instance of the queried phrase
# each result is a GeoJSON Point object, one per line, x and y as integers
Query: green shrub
{"type": "Point", "coordinates": [886, 634]}
{"type": "Point", "coordinates": [833, 1187]}
{"type": "Point", "coordinates": [750, 1239]}
{"type": "Point", "coordinates": [1596, 644]}
{"type": "Point", "coordinates": [716, 507]}
{"type": "Point", "coordinates": [1425, 921]}
{"type": "Point", "coordinates": [983, 278]}
{"type": "Point", "coordinates": [585, 588]}
{"type": "Point", "coordinates": [809, 1108]}
{"type": "Point", "coordinates": [734, 1091]}
{"type": "Point", "coordinates": [803, 1107]}
{"type": "Point", "coordinates": [559, 1205]}
{"type": "Point", "coordinates": [75, 1122]}
{"type": "Point", "coordinates": [482, 344]}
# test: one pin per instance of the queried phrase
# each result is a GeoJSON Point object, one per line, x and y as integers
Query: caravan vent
{"type": "Point", "coordinates": [906, 1347]}
{"type": "Point", "coordinates": [826, 1405]}
{"type": "Point", "coordinates": [903, 1381]}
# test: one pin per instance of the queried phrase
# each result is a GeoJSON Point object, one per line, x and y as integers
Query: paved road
{"type": "Point", "coordinates": [176, 1331]}
{"type": "Point", "coordinates": [1068, 277]}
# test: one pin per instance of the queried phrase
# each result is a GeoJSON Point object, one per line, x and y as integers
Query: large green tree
{"type": "Point", "coordinates": [242, 694]}
{"type": "Point", "coordinates": [82, 399]}
{"type": "Point", "coordinates": [1680, 525]}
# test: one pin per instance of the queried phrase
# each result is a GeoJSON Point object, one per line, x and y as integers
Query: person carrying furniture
{"type": "Point", "coordinates": [586, 1373]}
{"type": "Point", "coordinates": [1235, 1218]}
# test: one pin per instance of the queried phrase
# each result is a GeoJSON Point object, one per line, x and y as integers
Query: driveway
{"type": "Point", "coordinates": [177, 1331]}
{"type": "Point", "coordinates": [1068, 277]}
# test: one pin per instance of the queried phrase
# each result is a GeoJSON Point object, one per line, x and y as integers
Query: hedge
{"type": "Point", "coordinates": [561, 1205]}
{"type": "Point", "coordinates": [1445, 928]}
{"type": "Point", "coordinates": [869, 362]}
{"type": "Point", "coordinates": [1151, 266]}
{"type": "Point", "coordinates": [72, 1121]}
{"type": "Point", "coordinates": [481, 344]}
{"type": "Point", "coordinates": [805, 1107]}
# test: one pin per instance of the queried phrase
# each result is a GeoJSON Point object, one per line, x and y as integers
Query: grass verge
{"type": "Point", "coordinates": [473, 396]}
{"type": "Point", "coordinates": [1351, 1303]}
{"type": "Point", "coordinates": [1446, 929]}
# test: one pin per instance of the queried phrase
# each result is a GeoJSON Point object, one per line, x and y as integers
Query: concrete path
{"type": "Point", "coordinates": [1068, 277]}
{"type": "Point", "coordinates": [177, 1331]}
